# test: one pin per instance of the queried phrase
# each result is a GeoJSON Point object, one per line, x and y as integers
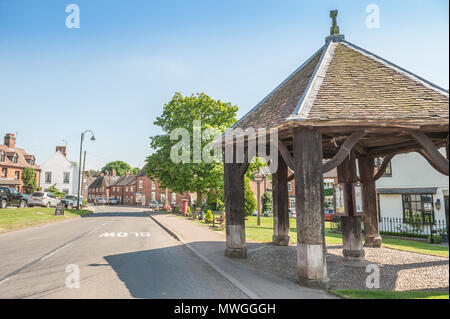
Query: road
{"type": "Point", "coordinates": [118, 252]}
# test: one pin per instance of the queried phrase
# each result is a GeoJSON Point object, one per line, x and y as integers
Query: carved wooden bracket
{"type": "Point", "coordinates": [383, 167]}
{"type": "Point", "coordinates": [344, 151]}
{"type": "Point", "coordinates": [431, 152]}
{"type": "Point", "coordinates": [287, 157]}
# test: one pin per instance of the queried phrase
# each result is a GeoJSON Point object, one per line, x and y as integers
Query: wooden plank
{"type": "Point", "coordinates": [344, 151]}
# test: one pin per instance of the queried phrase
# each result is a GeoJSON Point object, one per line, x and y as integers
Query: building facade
{"type": "Point", "coordinates": [101, 187]}
{"type": "Point", "coordinates": [413, 189]}
{"type": "Point", "coordinates": [13, 161]}
{"type": "Point", "coordinates": [61, 172]}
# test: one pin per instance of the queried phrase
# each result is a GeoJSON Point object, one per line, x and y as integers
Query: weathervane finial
{"type": "Point", "coordinates": [334, 27]}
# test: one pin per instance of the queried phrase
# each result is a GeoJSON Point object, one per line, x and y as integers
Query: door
{"type": "Point", "coordinates": [143, 200]}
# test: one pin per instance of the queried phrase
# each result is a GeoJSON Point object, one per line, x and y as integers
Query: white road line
{"type": "Point", "coordinates": [4, 280]}
{"type": "Point", "coordinates": [54, 252]}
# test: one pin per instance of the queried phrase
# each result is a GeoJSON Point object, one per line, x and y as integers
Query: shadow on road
{"type": "Point", "coordinates": [116, 214]}
{"type": "Point", "coordinates": [171, 272]}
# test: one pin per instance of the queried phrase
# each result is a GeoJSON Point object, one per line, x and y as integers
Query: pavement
{"type": "Point", "coordinates": [210, 245]}
{"type": "Point", "coordinates": [120, 252]}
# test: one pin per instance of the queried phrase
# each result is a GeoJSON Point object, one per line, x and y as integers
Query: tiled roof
{"type": "Point", "coordinates": [21, 160]}
{"type": "Point", "coordinates": [109, 180]}
{"type": "Point", "coordinates": [125, 180]}
{"type": "Point", "coordinates": [345, 82]}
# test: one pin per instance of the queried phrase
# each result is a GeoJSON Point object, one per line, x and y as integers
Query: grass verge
{"type": "Point", "coordinates": [17, 218]}
{"type": "Point", "coordinates": [385, 294]}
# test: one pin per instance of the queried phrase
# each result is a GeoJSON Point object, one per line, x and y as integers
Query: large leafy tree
{"type": "Point", "coordinates": [181, 112]}
{"type": "Point", "coordinates": [120, 167]}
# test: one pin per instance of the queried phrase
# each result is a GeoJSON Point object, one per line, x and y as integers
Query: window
{"type": "Point", "coordinates": [153, 185]}
{"type": "Point", "coordinates": [14, 159]}
{"type": "Point", "coordinates": [2, 156]}
{"type": "Point", "coordinates": [66, 178]}
{"type": "Point", "coordinates": [48, 177]}
{"type": "Point", "coordinates": [17, 174]}
{"type": "Point", "coordinates": [291, 202]}
{"type": "Point", "coordinates": [388, 171]}
{"type": "Point", "coordinates": [4, 171]}
{"type": "Point", "coordinates": [66, 190]}
{"type": "Point", "coordinates": [153, 196]}
{"type": "Point", "coordinates": [140, 184]}
{"type": "Point", "coordinates": [329, 202]}
{"type": "Point", "coordinates": [418, 208]}
{"type": "Point", "coordinates": [290, 186]}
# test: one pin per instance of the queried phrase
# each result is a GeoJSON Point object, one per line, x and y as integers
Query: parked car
{"type": "Point", "coordinates": [100, 201]}
{"type": "Point", "coordinates": [154, 205]}
{"type": "Point", "coordinates": [267, 214]}
{"type": "Point", "coordinates": [11, 197]}
{"type": "Point", "coordinates": [329, 214]}
{"type": "Point", "coordinates": [43, 199]}
{"type": "Point", "coordinates": [113, 201]}
{"type": "Point", "coordinates": [71, 201]}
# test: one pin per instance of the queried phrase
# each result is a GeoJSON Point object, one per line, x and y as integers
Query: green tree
{"type": "Point", "coordinates": [119, 166]}
{"type": "Point", "coordinates": [267, 202]}
{"type": "Point", "coordinates": [249, 199]}
{"type": "Point", "coordinates": [191, 176]}
{"type": "Point", "coordinates": [29, 179]}
{"type": "Point", "coordinates": [56, 191]}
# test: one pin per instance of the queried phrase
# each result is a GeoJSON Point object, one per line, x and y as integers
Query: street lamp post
{"type": "Point", "coordinates": [258, 178]}
{"type": "Point", "coordinates": [79, 165]}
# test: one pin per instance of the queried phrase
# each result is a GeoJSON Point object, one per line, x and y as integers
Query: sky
{"type": "Point", "coordinates": [114, 73]}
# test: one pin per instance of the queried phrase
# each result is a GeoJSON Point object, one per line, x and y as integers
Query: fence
{"type": "Point", "coordinates": [435, 233]}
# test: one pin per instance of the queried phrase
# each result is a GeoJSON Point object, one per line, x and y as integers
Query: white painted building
{"type": "Point", "coordinates": [413, 188]}
{"type": "Point", "coordinates": [59, 171]}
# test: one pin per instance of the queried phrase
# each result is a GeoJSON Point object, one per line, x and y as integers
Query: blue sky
{"type": "Point", "coordinates": [114, 74]}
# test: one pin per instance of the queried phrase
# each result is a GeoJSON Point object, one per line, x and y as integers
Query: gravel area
{"type": "Point", "coordinates": [399, 270]}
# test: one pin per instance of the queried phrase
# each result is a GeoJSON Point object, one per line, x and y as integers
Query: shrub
{"type": "Point", "coordinates": [208, 216]}
{"type": "Point", "coordinates": [267, 202]}
{"type": "Point", "coordinates": [249, 199]}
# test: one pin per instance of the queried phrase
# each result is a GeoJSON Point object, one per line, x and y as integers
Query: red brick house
{"type": "Point", "coordinates": [13, 161]}
{"type": "Point", "coordinates": [124, 189]}
{"type": "Point", "coordinates": [101, 186]}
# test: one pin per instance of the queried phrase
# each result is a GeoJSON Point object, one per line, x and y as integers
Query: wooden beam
{"type": "Point", "coordinates": [286, 155]}
{"type": "Point", "coordinates": [431, 151]}
{"type": "Point", "coordinates": [425, 155]}
{"type": "Point", "coordinates": [383, 167]}
{"type": "Point", "coordinates": [344, 151]}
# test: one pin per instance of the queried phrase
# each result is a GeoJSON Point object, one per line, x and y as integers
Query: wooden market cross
{"type": "Point", "coordinates": [343, 107]}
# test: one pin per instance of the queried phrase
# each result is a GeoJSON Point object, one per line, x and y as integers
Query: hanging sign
{"type": "Point", "coordinates": [340, 200]}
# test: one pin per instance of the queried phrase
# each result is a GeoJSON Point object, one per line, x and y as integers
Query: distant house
{"type": "Point", "coordinates": [61, 172]}
{"type": "Point", "coordinates": [101, 186]}
{"type": "Point", "coordinates": [124, 189]}
{"type": "Point", "coordinates": [412, 188]}
{"type": "Point", "coordinates": [86, 182]}
{"type": "Point", "coordinates": [12, 163]}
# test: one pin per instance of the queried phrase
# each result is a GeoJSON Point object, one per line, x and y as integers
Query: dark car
{"type": "Point", "coordinates": [11, 197]}
{"type": "Point", "coordinates": [71, 201]}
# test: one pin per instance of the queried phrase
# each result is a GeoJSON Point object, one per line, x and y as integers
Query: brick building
{"type": "Point", "coordinates": [13, 161]}
{"type": "Point", "coordinates": [124, 189]}
{"type": "Point", "coordinates": [101, 186]}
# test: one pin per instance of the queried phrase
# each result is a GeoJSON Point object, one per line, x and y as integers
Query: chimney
{"type": "Point", "coordinates": [10, 140]}
{"type": "Point", "coordinates": [114, 173]}
{"type": "Point", "coordinates": [61, 149]}
{"type": "Point", "coordinates": [127, 173]}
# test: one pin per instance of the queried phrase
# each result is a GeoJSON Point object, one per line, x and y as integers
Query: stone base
{"type": "Point", "coordinates": [323, 283]}
{"type": "Point", "coordinates": [359, 254]}
{"type": "Point", "coordinates": [373, 241]}
{"type": "Point", "coordinates": [281, 240]}
{"type": "Point", "coordinates": [236, 252]}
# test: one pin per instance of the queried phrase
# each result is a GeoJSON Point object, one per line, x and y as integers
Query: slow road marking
{"type": "Point", "coordinates": [125, 234]}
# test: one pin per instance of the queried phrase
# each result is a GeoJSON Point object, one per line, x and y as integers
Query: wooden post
{"type": "Point", "coordinates": [309, 201]}
{"type": "Point", "coordinates": [372, 236]}
{"type": "Point", "coordinates": [235, 217]}
{"type": "Point", "coordinates": [280, 205]}
{"type": "Point", "coordinates": [351, 225]}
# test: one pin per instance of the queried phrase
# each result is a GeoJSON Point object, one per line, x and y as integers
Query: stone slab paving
{"type": "Point", "coordinates": [399, 270]}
